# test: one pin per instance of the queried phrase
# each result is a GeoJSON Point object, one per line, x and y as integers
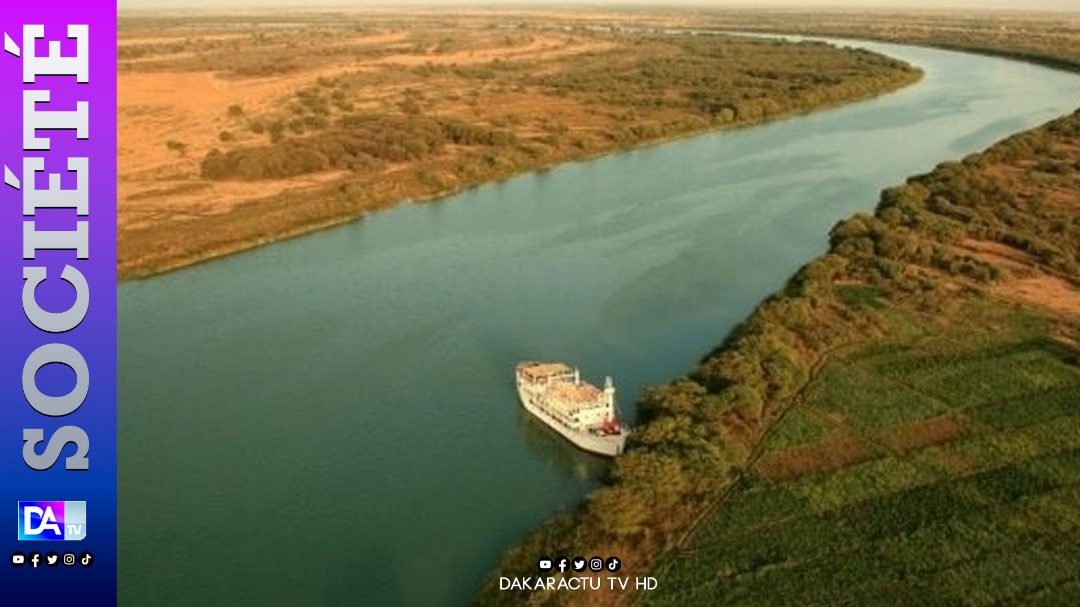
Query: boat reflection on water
{"type": "Point", "coordinates": [576, 463]}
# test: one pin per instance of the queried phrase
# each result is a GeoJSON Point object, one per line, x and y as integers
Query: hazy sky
{"type": "Point", "coordinates": [1061, 5]}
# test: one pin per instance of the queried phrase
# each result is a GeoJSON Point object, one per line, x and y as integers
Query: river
{"type": "Point", "coordinates": [331, 420]}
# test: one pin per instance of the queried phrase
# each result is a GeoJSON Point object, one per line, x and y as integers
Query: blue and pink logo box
{"type": "Point", "coordinates": [52, 521]}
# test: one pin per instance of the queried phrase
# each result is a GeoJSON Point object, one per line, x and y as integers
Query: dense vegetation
{"type": "Point", "coordinates": [398, 129]}
{"type": "Point", "coordinates": [665, 87]}
{"type": "Point", "coordinates": [886, 428]}
{"type": "Point", "coordinates": [359, 142]}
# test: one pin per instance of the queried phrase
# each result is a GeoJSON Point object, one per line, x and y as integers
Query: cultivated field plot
{"type": "Point", "coordinates": [943, 468]}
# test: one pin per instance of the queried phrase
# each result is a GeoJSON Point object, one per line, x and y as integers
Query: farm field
{"type": "Point", "coordinates": [939, 468]}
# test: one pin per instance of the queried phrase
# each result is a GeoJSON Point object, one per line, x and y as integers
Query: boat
{"type": "Point", "coordinates": [582, 413]}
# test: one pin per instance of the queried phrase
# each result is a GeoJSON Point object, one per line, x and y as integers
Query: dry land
{"type": "Point", "coordinates": [240, 130]}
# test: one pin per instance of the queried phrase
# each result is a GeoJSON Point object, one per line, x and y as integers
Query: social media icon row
{"type": "Point", "coordinates": [579, 564]}
{"type": "Point", "coordinates": [51, 559]}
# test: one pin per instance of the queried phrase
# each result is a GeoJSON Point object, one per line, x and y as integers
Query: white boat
{"type": "Point", "coordinates": [582, 413]}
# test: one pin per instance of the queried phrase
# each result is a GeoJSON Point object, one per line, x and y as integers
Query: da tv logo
{"type": "Point", "coordinates": [52, 521]}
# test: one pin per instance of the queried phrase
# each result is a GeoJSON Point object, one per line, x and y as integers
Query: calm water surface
{"type": "Point", "coordinates": [332, 421]}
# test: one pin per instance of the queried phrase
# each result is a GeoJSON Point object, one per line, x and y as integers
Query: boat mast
{"type": "Point", "coordinates": [609, 397]}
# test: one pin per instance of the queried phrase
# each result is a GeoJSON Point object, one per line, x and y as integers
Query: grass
{"type": "Point", "coordinates": [861, 481]}
{"type": "Point", "coordinates": [800, 427]}
{"type": "Point", "coordinates": [1018, 412]}
{"type": "Point", "coordinates": [867, 401]}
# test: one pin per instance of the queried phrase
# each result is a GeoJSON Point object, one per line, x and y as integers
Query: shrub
{"type": "Point", "coordinates": [176, 146]}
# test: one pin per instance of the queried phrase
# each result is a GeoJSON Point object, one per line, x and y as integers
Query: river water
{"type": "Point", "coordinates": [332, 421]}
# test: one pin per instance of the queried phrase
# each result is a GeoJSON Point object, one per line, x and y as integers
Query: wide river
{"type": "Point", "coordinates": [332, 420]}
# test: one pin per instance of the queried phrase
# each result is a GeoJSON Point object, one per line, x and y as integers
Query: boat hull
{"type": "Point", "coordinates": [605, 445]}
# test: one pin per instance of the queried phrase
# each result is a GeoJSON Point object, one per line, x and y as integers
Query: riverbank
{"type": "Point", "coordinates": [927, 365]}
{"type": "Point", "coordinates": [447, 123]}
{"type": "Point", "coordinates": [950, 402]}
{"type": "Point", "coordinates": [754, 525]}
{"type": "Point", "coordinates": [1043, 38]}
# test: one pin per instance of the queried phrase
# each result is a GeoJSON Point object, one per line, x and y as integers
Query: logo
{"type": "Point", "coordinates": [52, 559]}
{"type": "Point", "coordinates": [52, 521]}
{"type": "Point", "coordinates": [579, 564]}
{"type": "Point", "coordinates": [69, 559]}
{"type": "Point", "coordinates": [613, 564]}
{"type": "Point", "coordinates": [35, 559]}
{"type": "Point", "coordinates": [18, 559]}
{"type": "Point", "coordinates": [562, 564]}
{"type": "Point", "coordinates": [596, 564]}
{"type": "Point", "coordinates": [86, 559]}
{"type": "Point", "coordinates": [544, 564]}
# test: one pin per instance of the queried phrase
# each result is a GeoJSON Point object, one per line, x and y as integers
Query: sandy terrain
{"type": "Point", "coordinates": [147, 40]}
{"type": "Point", "coordinates": [1025, 280]}
{"type": "Point", "coordinates": [1049, 292]}
{"type": "Point", "coordinates": [1000, 255]}
{"type": "Point", "coordinates": [178, 199]}
{"type": "Point", "coordinates": [156, 180]}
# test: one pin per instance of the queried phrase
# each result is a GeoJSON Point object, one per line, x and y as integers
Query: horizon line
{"type": "Point", "coordinates": [595, 5]}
